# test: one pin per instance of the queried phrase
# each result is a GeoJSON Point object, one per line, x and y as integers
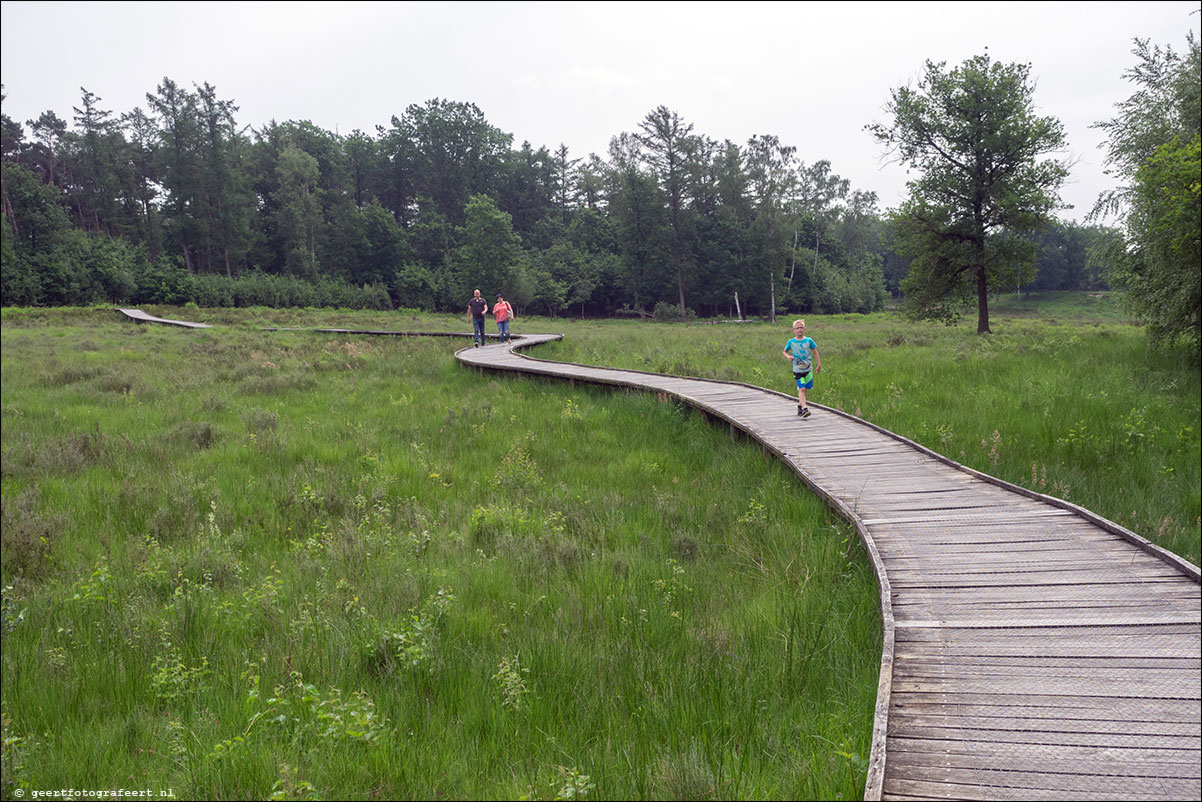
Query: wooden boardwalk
{"type": "Point", "coordinates": [139, 316]}
{"type": "Point", "coordinates": [1032, 649]}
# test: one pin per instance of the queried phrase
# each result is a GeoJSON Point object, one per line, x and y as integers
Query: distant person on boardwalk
{"type": "Point", "coordinates": [503, 312]}
{"type": "Point", "coordinates": [803, 353]}
{"type": "Point", "coordinates": [476, 309]}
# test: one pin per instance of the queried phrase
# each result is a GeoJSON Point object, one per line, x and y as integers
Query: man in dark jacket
{"type": "Point", "coordinates": [476, 309]}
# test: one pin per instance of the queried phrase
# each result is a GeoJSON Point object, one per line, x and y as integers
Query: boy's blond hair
{"type": "Point", "coordinates": [799, 320]}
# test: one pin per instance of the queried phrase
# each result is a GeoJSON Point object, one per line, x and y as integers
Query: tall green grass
{"type": "Point", "coordinates": [1084, 411]}
{"type": "Point", "coordinates": [1063, 306]}
{"type": "Point", "coordinates": [242, 564]}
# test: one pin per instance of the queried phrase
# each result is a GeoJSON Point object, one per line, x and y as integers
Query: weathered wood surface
{"type": "Point", "coordinates": [1033, 650]}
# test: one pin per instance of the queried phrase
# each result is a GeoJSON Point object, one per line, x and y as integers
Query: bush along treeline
{"type": "Point", "coordinates": [1154, 144]}
{"type": "Point", "coordinates": [178, 203]}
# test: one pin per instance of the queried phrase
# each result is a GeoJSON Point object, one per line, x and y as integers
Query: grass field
{"type": "Point", "coordinates": [1060, 306]}
{"type": "Point", "coordinates": [247, 564]}
{"type": "Point", "coordinates": [241, 564]}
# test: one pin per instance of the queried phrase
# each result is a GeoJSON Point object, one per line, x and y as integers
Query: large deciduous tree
{"type": "Point", "coordinates": [981, 152]}
{"type": "Point", "coordinates": [299, 217]}
{"type": "Point", "coordinates": [490, 255]}
{"type": "Point", "coordinates": [1154, 148]}
{"type": "Point", "coordinates": [445, 151]}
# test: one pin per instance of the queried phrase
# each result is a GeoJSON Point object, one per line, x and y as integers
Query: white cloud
{"type": "Point", "coordinates": [596, 77]}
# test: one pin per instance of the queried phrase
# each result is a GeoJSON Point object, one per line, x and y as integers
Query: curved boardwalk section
{"type": "Point", "coordinates": [1033, 650]}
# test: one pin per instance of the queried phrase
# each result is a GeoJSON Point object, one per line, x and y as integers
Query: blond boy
{"type": "Point", "coordinates": [803, 353]}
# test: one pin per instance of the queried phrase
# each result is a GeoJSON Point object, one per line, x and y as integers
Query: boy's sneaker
{"type": "Point", "coordinates": [800, 411]}
{"type": "Point", "coordinates": [805, 412]}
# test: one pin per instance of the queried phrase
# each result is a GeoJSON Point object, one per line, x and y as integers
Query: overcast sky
{"type": "Point", "coordinates": [813, 74]}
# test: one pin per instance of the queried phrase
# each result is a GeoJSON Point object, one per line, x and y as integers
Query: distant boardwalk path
{"type": "Point", "coordinates": [141, 317]}
{"type": "Point", "coordinates": [1032, 650]}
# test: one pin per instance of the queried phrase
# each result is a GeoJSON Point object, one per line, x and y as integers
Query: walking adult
{"type": "Point", "coordinates": [503, 312]}
{"type": "Point", "coordinates": [476, 309]}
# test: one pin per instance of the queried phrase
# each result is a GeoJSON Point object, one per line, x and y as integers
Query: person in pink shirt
{"type": "Point", "coordinates": [504, 313]}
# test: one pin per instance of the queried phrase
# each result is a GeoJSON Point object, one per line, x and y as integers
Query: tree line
{"type": "Point", "coordinates": [180, 203]}
{"type": "Point", "coordinates": [154, 204]}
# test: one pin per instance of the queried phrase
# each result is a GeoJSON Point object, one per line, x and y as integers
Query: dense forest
{"type": "Point", "coordinates": [179, 203]}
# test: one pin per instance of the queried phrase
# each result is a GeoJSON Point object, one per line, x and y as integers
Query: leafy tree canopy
{"type": "Point", "coordinates": [1154, 148]}
{"type": "Point", "coordinates": [979, 147]}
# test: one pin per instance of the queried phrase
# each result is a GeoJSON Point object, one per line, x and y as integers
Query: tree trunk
{"type": "Point", "coordinates": [792, 264]}
{"type": "Point", "coordinates": [150, 244]}
{"type": "Point", "coordinates": [817, 246]}
{"type": "Point", "coordinates": [772, 297]}
{"type": "Point", "coordinates": [9, 215]}
{"type": "Point", "coordinates": [982, 303]}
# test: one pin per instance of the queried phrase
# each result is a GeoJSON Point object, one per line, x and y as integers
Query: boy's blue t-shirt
{"type": "Point", "coordinates": [802, 351]}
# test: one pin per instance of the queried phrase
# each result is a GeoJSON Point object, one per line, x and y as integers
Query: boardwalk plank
{"type": "Point", "coordinates": [964, 669]}
{"type": "Point", "coordinates": [974, 783]}
{"type": "Point", "coordinates": [914, 789]}
{"type": "Point", "coordinates": [1119, 633]}
{"type": "Point", "coordinates": [1064, 774]}
{"type": "Point", "coordinates": [1024, 685]}
{"type": "Point", "coordinates": [1117, 708]}
{"type": "Point", "coordinates": [1017, 755]}
{"type": "Point", "coordinates": [960, 723]}
{"type": "Point", "coordinates": [1044, 737]}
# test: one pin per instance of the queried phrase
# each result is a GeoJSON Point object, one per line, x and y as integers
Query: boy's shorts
{"type": "Point", "coordinates": [805, 381]}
